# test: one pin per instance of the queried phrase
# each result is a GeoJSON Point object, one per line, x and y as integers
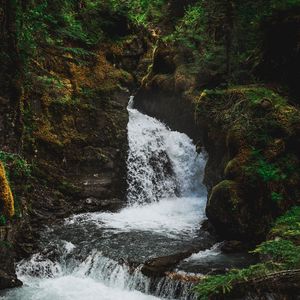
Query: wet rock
{"type": "Point", "coordinates": [8, 277]}
{"type": "Point", "coordinates": [219, 210]}
{"type": "Point", "coordinates": [266, 104]}
{"type": "Point", "coordinates": [233, 169]}
{"type": "Point", "coordinates": [9, 281]}
{"type": "Point", "coordinates": [92, 204]}
{"type": "Point", "coordinates": [157, 267]}
{"type": "Point", "coordinates": [98, 186]}
{"type": "Point", "coordinates": [232, 246]}
{"type": "Point", "coordinates": [207, 226]}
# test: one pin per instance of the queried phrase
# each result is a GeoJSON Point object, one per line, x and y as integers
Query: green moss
{"type": "Point", "coordinates": [233, 169]}
{"type": "Point", "coordinates": [260, 117]}
{"type": "Point", "coordinates": [256, 95]}
{"type": "Point", "coordinates": [65, 186]}
{"type": "Point", "coordinates": [226, 190]}
{"type": "Point", "coordinates": [17, 171]}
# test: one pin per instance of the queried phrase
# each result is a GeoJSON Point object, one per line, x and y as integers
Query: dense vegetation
{"type": "Point", "coordinates": [280, 252]}
{"type": "Point", "coordinates": [224, 37]}
{"type": "Point", "coordinates": [242, 58]}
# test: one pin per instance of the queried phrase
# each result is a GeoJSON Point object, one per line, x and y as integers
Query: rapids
{"type": "Point", "coordinates": [99, 255]}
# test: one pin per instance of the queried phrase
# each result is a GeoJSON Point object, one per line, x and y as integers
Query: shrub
{"type": "Point", "coordinates": [19, 167]}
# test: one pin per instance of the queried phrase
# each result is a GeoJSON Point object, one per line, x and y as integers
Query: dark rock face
{"type": "Point", "coordinates": [160, 266]}
{"type": "Point", "coordinates": [157, 267]}
{"type": "Point", "coordinates": [8, 278]}
{"type": "Point", "coordinates": [232, 246]}
{"type": "Point", "coordinates": [8, 281]}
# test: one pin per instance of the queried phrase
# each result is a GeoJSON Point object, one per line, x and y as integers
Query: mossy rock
{"type": "Point", "coordinates": [235, 140]}
{"type": "Point", "coordinates": [222, 207]}
{"type": "Point", "coordinates": [233, 169]}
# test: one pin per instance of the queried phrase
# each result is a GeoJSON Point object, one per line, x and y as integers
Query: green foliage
{"type": "Point", "coordinates": [5, 244]}
{"type": "Point", "coordinates": [63, 25]}
{"type": "Point", "coordinates": [77, 52]}
{"type": "Point", "coordinates": [226, 35]}
{"type": "Point", "coordinates": [276, 197]}
{"type": "Point", "coordinates": [256, 95]}
{"type": "Point", "coordinates": [267, 171]}
{"type": "Point", "coordinates": [2, 220]}
{"type": "Point", "coordinates": [18, 167]}
{"type": "Point", "coordinates": [141, 12]}
{"type": "Point", "coordinates": [33, 27]}
{"type": "Point", "coordinates": [190, 30]}
{"type": "Point", "coordinates": [288, 226]}
{"type": "Point", "coordinates": [222, 284]}
{"type": "Point", "coordinates": [50, 82]}
{"type": "Point", "coordinates": [281, 254]}
{"type": "Point", "coordinates": [73, 29]}
{"type": "Point", "coordinates": [281, 251]}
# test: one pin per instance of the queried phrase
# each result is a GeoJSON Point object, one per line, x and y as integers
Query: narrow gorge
{"type": "Point", "coordinates": [128, 253]}
{"type": "Point", "coordinates": [149, 150]}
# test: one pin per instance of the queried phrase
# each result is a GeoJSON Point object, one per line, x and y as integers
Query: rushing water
{"type": "Point", "coordinates": [99, 255]}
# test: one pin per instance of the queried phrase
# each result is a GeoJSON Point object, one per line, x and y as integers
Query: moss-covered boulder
{"type": "Point", "coordinates": [259, 136]}
{"type": "Point", "coordinates": [221, 205]}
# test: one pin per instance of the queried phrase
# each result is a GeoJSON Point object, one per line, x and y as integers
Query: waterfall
{"type": "Point", "coordinates": [100, 255]}
{"type": "Point", "coordinates": [161, 163]}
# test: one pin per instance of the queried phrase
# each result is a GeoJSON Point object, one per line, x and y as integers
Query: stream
{"type": "Point", "coordinates": [100, 255]}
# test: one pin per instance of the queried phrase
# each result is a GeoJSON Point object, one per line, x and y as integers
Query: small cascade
{"type": "Point", "coordinates": [100, 255]}
{"type": "Point", "coordinates": [95, 269]}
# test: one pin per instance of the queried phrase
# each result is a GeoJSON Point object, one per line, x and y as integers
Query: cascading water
{"type": "Point", "coordinates": [161, 163]}
{"type": "Point", "coordinates": [99, 255]}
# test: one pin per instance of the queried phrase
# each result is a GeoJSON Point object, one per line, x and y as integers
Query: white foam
{"type": "Point", "coordinates": [168, 216]}
{"type": "Point", "coordinates": [70, 287]}
{"type": "Point", "coordinates": [69, 246]}
{"type": "Point", "coordinates": [201, 255]}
